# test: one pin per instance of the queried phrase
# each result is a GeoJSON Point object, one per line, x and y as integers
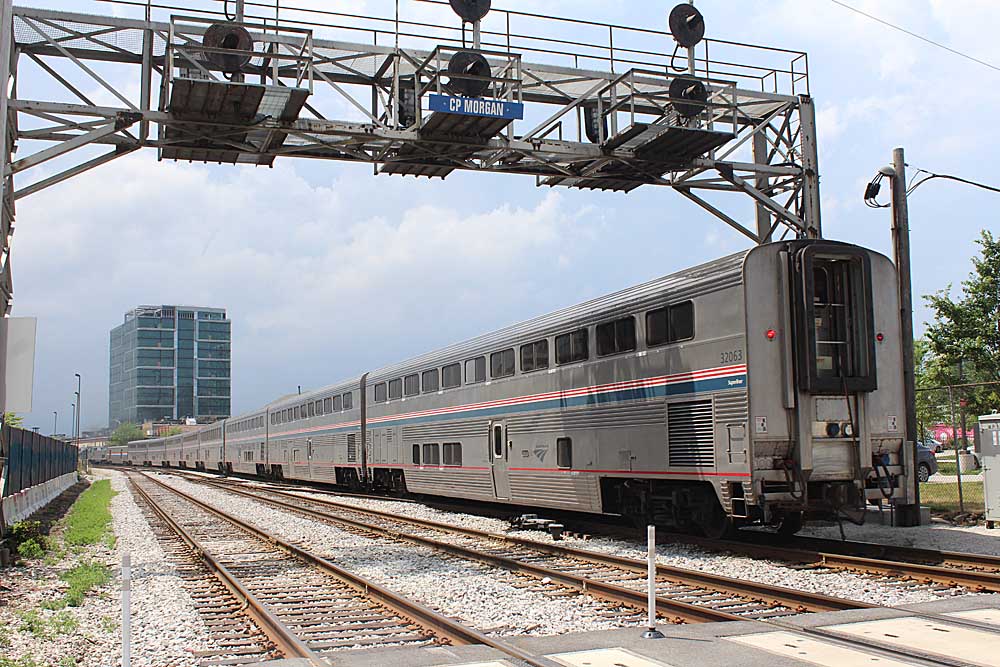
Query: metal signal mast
{"type": "Point", "coordinates": [250, 81]}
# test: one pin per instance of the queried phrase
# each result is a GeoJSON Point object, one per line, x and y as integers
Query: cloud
{"type": "Point", "coordinates": [317, 287]}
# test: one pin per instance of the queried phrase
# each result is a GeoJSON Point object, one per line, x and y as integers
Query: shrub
{"type": "Point", "coordinates": [82, 579]}
{"type": "Point", "coordinates": [31, 548]}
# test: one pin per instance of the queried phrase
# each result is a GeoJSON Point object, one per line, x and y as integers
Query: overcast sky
{"type": "Point", "coordinates": [328, 271]}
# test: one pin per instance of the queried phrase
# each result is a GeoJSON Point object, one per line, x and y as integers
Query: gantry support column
{"type": "Point", "coordinates": [6, 181]}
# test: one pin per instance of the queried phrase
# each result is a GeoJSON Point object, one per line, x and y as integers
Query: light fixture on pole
{"type": "Point", "coordinates": [79, 407]}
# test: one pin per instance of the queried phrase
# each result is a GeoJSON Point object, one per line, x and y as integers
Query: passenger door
{"type": "Point", "coordinates": [499, 453]}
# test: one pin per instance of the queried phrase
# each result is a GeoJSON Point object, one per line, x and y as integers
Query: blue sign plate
{"type": "Point", "coordinates": [475, 106]}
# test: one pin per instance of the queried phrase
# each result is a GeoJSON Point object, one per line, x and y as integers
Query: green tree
{"type": "Point", "coordinates": [15, 420]}
{"type": "Point", "coordinates": [965, 334]}
{"type": "Point", "coordinates": [173, 430]}
{"type": "Point", "coordinates": [126, 433]}
{"type": "Point", "coordinates": [932, 406]}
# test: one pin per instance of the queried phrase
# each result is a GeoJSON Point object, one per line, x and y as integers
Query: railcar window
{"type": "Point", "coordinates": [319, 408]}
{"type": "Point", "coordinates": [430, 380]}
{"type": "Point", "coordinates": [380, 392]}
{"type": "Point", "coordinates": [535, 356]}
{"type": "Point", "coordinates": [564, 452]}
{"type": "Point", "coordinates": [682, 321]}
{"type": "Point", "coordinates": [311, 409]}
{"type": "Point", "coordinates": [432, 456]}
{"type": "Point", "coordinates": [451, 376]}
{"type": "Point", "coordinates": [348, 401]}
{"type": "Point", "coordinates": [616, 337]}
{"type": "Point", "coordinates": [475, 370]}
{"type": "Point", "coordinates": [502, 364]}
{"type": "Point", "coordinates": [670, 324]}
{"type": "Point", "coordinates": [572, 347]}
{"type": "Point", "coordinates": [451, 454]}
{"type": "Point", "coordinates": [295, 413]}
{"type": "Point", "coordinates": [338, 404]}
{"type": "Point", "coordinates": [395, 389]}
{"type": "Point", "coordinates": [327, 405]}
{"type": "Point", "coordinates": [411, 384]}
{"type": "Point", "coordinates": [416, 454]}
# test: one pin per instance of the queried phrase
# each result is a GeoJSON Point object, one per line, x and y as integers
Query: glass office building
{"type": "Point", "coordinates": [170, 362]}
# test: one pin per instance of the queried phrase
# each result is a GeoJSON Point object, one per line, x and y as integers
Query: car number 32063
{"type": "Point", "coordinates": [732, 357]}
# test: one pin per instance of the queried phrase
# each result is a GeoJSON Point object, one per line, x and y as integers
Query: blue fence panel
{"type": "Point", "coordinates": [33, 458]}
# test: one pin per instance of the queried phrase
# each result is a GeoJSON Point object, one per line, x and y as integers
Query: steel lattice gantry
{"type": "Point", "coordinates": [596, 117]}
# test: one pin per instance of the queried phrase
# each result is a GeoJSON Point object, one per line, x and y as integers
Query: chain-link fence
{"type": "Point", "coordinates": [949, 466]}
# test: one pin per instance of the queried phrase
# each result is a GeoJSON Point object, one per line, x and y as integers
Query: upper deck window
{"type": "Point", "coordinates": [572, 347]}
{"type": "Point", "coordinates": [616, 337]}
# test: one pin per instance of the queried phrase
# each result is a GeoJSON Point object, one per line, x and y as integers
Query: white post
{"type": "Point", "coordinates": [126, 610]}
{"type": "Point", "coordinates": [651, 631]}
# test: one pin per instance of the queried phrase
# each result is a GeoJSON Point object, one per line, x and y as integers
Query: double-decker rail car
{"type": "Point", "coordinates": [757, 388]}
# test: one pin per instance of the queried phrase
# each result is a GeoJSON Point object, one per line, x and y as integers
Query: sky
{"type": "Point", "coordinates": [328, 271]}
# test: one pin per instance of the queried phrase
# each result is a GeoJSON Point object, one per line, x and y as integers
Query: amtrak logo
{"type": "Point", "coordinates": [736, 383]}
{"type": "Point", "coordinates": [540, 452]}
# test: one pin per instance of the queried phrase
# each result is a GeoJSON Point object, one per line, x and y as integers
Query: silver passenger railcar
{"type": "Point", "coordinates": [752, 389]}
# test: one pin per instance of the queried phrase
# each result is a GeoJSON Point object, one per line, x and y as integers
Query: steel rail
{"type": "Point", "coordinates": [283, 638]}
{"type": "Point", "coordinates": [793, 599]}
{"type": "Point", "coordinates": [757, 547]}
{"type": "Point", "coordinates": [423, 616]}
{"type": "Point", "coordinates": [885, 551]}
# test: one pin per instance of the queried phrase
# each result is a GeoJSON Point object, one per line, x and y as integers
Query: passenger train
{"type": "Point", "coordinates": [755, 389]}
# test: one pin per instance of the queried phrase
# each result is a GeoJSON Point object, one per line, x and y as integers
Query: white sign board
{"type": "Point", "coordinates": [17, 342]}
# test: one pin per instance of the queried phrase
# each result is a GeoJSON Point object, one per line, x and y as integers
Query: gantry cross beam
{"type": "Point", "coordinates": [598, 114]}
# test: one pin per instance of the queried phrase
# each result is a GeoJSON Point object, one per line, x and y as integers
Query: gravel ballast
{"type": "Point", "coordinates": [865, 588]}
{"type": "Point", "coordinates": [166, 626]}
{"type": "Point", "coordinates": [478, 595]}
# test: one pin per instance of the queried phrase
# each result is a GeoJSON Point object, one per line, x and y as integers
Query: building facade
{"type": "Point", "coordinates": [170, 362]}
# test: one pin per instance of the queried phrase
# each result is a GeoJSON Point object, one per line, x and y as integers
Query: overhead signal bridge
{"type": "Point", "coordinates": [412, 95]}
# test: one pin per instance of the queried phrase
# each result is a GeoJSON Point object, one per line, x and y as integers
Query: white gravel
{"type": "Point", "coordinates": [865, 588]}
{"type": "Point", "coordinates": [166, 626]}
{"type": "Point", "coordinates": [478, 595]}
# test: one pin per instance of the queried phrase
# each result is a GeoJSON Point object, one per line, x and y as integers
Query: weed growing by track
{"type": "Point", "coordinates": [89, 522]}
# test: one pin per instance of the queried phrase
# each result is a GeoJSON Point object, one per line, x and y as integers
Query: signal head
{"type": "Point", "coordinates": [471, 11]}
{"type": "Point", "coordinates": [687, 25]}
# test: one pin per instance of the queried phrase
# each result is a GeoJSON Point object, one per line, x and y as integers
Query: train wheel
{"type": "Point", "coordinates": [790, 524]}
{"type": "Point", "coordinates": [720, 525]}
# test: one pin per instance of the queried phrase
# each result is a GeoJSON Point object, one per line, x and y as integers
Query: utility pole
{"type": "Point", "coordinates": [55, 422]}
{"type": "Point", "coordinates": [909, 515]}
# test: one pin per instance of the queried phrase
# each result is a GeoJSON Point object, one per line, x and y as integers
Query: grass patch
{"type": "Point", "coordinates": [944, 497]}
{"type": "Point", "coordinates": [26, 661]}
{"type": "Point", "coordinates": [89, 522]}
{"type": "Point", "coordinates": [36, 625]}
{"type": "Point", "coordinates": [82, 579]}
{"type": "Point", "coordinates": [947, 468]}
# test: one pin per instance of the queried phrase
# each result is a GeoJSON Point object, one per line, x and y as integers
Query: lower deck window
{"type": "Point", "coordinates": [452, 453]}
{"type": "Point", "coordinates": [432, 456]}
{"type": "Point", "coordinates": [564, 452]}
{"type": "Point", "coordinates": [416, 454]}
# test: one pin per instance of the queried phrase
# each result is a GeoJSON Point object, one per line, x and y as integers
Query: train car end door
{"type": "Point", "coordinates": [499, 459]}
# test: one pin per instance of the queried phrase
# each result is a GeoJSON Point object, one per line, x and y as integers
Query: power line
{"type": "Point", "coordinates": [932, 176]}
{"type": "Point", "coordinates": [913, 34]}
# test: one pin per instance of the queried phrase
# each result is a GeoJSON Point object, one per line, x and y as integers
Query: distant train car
{"type": "Point", "coordinates": [757, 388]}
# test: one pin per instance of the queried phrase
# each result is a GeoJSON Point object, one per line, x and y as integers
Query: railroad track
{"type": "Point", "coordinates": [682, 595]}
{"type": "Point", "coordinates": [291, 602]}
{"type": "Point", "coordinates": [976, 572]}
